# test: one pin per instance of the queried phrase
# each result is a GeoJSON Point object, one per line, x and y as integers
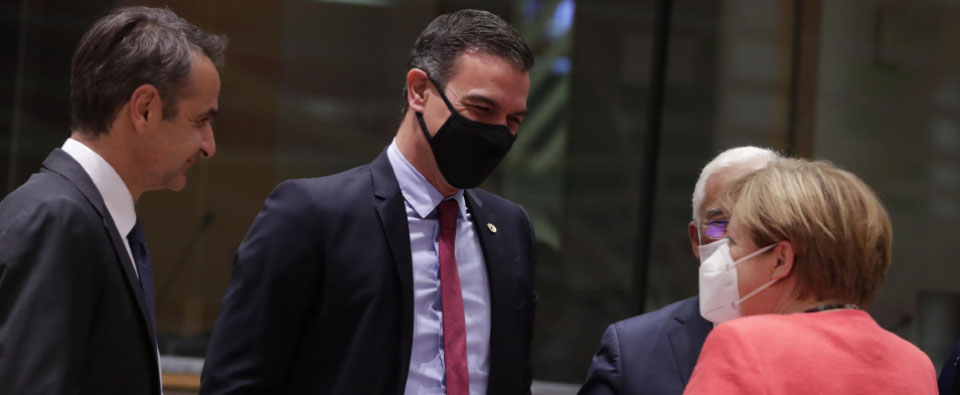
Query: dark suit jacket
{"type": "Point", "coordinates": [321, 298]}
{"type": "Point", "coordinates": [72, 319]}
{"type": "Point", "coordinates": [947, 382]}
{"type": "Point", "coordinates": [650, 354]}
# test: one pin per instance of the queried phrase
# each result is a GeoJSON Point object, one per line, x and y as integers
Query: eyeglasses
{"type": "Point", "coordinates": [714, 230]}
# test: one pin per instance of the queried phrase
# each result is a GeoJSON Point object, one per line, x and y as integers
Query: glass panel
{"type": "Point", "coordinates": [727, 85]}
{"type": "Point", "coordinates": [576, 170]}
{"type": "Point", "coordinates": [889, 110]}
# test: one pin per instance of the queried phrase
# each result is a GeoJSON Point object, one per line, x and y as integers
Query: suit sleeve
{"type": "Point", "coordinates": [727, 365]}
{"type": "Point", "coordinates": [604, 376]}
{"type": "Point", "coordinates": [947, 382]}
{"type": "Point", "coordinates": [270, 297]}
{"type": "Point", "coordinates": [47, 298]}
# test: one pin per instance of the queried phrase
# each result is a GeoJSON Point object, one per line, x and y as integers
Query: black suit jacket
{"type": "Point", "coordinates": [650, 354]}
{"type": "Point", "coordinates": [72, 319]}
{"type": "Point", "coordinates": [321, 298]}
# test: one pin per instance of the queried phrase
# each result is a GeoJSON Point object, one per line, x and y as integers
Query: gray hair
{"type": "Point", "coordinates": [443, 41]}
{"type": "Point", "coordinates": [756, 157]}
{"type": "Point", "coordinates": [130, 47]}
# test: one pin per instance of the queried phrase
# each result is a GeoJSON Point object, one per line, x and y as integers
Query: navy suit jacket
{"type": "Point", "coordinates": [947, 382]}
{"type": "Point", "coordinates": [321, 298]}
{"type": "Point", "coordinates": [650, 354]}
{"type": "Point", "coordinates": [72, 317]}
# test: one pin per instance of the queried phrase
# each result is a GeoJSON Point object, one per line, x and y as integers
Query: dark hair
{"type": "Point", "coordinates": [130, 47]}
{"type": "Point", "coordinates": [443, 41]}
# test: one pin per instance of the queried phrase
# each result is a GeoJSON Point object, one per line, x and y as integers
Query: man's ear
{"type": "Point", "coordinates": [694, 238]}
{"type": "Point", "coordinates": [785, 258]}
{"type": "Point", "coordinates": [417, 86]}
{"type": "Point", "coordinates": [145, 107]}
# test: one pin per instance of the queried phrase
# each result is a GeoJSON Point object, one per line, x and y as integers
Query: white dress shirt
{"type": "Point", "coordinates": [114, 192]}
{"type": "Point", "coordinates": [426, 374]}
{"type": "Point", "coordinates": [112, 189]}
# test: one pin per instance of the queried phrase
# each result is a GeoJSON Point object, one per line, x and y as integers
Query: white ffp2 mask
{"type": "Point", "coordinates": [719, 289]}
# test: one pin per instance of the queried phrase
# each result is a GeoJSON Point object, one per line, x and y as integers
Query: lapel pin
{"type": "Point", "coordinates": [493, 229]}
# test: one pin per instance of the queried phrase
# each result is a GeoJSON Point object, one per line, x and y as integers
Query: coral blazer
{"type": "Point", "coordinates": [830, 352]}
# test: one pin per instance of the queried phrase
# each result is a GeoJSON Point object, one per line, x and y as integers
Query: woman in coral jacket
{"type": "Point", "coordinates": [806, 249]}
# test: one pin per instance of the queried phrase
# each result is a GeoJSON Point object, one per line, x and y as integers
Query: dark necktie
{"type": "Point", "coordinates": [454, 329]}
{"type": "Point", "coordinates": [141, 257]}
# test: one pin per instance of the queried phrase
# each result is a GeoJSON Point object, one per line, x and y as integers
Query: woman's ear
{"type": "Point", "coordinates": [417, 85]}
{"type": "Point", "coordinates": [785, 258]}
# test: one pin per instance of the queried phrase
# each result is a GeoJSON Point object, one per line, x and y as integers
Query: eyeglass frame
{"type": "Point", "coordinates": [703, 228]}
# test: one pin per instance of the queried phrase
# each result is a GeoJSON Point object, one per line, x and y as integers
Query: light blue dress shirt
{"type": "Point", "coordinates": [426, 374]}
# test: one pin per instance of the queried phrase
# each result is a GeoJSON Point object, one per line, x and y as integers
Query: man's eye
{"type": "Point", "coordinates": [481, 109]}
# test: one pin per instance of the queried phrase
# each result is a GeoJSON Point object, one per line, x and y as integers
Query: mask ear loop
{"type": "Point", "coordinates": [754, 292]}
{"type": "Point", "coordinates": [762, 287]}
{"type": "Point", "coordinates": [753, 254]}
{"type": "Point", "coordinates": [423, 124]}
{"type": "Point", "coordinates": [442, 95]}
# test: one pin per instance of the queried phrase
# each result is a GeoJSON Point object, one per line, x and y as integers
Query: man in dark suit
{"type": "Point", "coordinates": [654, 353]}
{"type": "Point", "coordinates": [947, 382]}
{"type": "Point", "coordinates": [398, 276]}
{"type": "Point", "coordinates": [76, 288]}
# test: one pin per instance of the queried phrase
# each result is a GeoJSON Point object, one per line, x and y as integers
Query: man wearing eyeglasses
{"type": "Point", "coordinates": [654, 353]}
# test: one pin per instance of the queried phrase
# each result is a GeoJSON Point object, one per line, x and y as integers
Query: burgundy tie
{"type": "Point", "coordinates": [454, 329]}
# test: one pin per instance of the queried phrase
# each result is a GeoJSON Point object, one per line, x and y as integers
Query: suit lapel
{"type": "Point", "coordinates": [500, 307]}
{"type": "Point", "coordinates": [390, 208]}
{"type": "Point", "coordinates": [63, 164]}
{"type": "Point", "coordinates": [687, 334]}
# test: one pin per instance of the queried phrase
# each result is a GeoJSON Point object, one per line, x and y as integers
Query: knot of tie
{"type": "Point", "coordinates": [447, 213]}
{"type": "Point", "coordinates": [136, 234]}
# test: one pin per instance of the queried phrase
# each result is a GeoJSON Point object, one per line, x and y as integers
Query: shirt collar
{"type": "Point", "coordinates": [115, 194]}
{"type": "Point", "coordinates": [416, 190]}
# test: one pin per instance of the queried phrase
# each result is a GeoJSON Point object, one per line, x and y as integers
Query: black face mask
{"type": "Point", "coordinates": [467, 151]}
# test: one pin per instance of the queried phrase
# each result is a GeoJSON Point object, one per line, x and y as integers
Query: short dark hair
{"type": "Point", "coordinates": [130, 47]}
{"type": "Point", "coordinates": [443, 41]}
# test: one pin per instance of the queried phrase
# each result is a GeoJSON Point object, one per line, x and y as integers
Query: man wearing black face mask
{"type": "Point", "coordinates": [399, 276]}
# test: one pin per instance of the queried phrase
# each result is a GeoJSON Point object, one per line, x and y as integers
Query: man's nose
{"type": "Point", "coordinates": [208, 146]}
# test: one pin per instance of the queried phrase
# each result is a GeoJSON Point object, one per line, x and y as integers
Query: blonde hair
{"type": "Point", "coordinates": [840, 232]}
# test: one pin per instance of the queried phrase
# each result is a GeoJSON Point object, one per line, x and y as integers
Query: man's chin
{"type": "Point", "coordinates": [178, 184]}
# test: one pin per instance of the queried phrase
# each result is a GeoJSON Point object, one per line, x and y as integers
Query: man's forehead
{"type": "Point", "coordinates": [203, 82]}
{"type": "Point", "coordinates": [726, 176]}
{"type": "Point", "coordinates": [473, 55]}
{"type": "Point", "coordinates": [491, 74]}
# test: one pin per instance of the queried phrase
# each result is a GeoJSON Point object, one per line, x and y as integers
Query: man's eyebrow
{"type": "Point", "coordinates": [714, 212]}
{"type": "Point", "coordinates": [480, 99]}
